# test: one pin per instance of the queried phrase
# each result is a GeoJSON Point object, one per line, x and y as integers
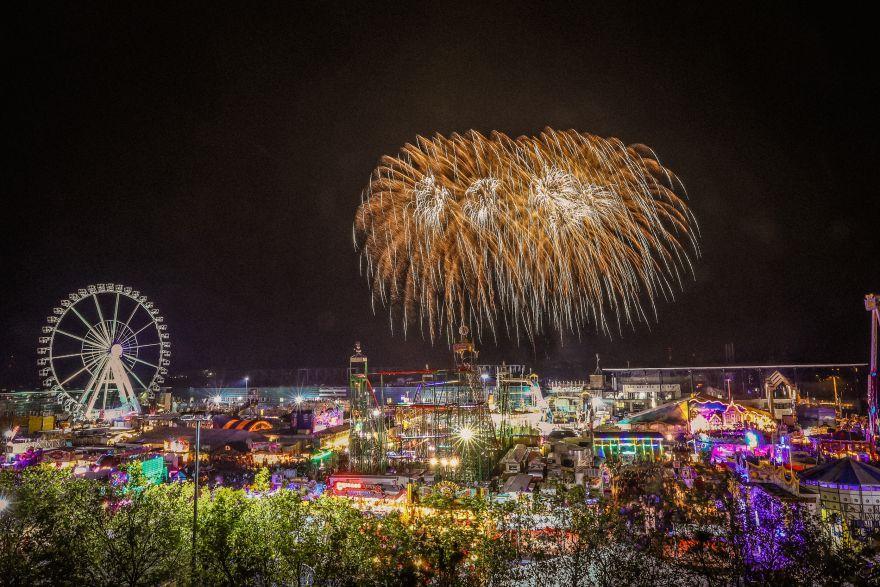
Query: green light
{"type": "Point", "coordinates": [321, 455]}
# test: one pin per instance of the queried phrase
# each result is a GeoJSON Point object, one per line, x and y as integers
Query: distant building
{"type": "Point", "coordinates": [515, 459]}
{"type": "Point", "coordinates": [816, 415]}
{"type": "Point", "coordinates": [701, 413]}
{"type": "Point", "coordinates": [638, 396]}
{"type": "Point", "coordinates": [520, 483]}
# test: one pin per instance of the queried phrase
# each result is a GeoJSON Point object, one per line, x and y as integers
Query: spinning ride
{"type": "Point", "coordinates": [103, 343]}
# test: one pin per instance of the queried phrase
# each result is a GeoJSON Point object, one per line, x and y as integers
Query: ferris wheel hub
{"type": "Point", "coordinates": [116, 350]}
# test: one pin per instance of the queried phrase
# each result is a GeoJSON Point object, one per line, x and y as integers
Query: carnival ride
{"type": "Point", "coordinates": [517, 405]}
{"type": "Point", "coordinates": [445, 426]}
{"type": "Point", "coordinates": [775, 383]}
{"type": "Point", "coordinates": [367, 450]}
{"type": "Point", "coordinates": [872, 305]}
{"type": "Point", "coordinates": [102, 342]}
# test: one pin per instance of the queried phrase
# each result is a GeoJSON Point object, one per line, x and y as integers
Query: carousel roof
{"type": "Point", "coordinates": [846, 471]}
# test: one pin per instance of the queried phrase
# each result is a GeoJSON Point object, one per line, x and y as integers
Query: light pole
{"type": "Point", "coordinates": [298, 400]}
{"type": "Point", "coordinates": [198, 419]}
{"type": "Point", "coordinates": [247, 378]}
{"type": "Point", "coordinates": [836, 397]}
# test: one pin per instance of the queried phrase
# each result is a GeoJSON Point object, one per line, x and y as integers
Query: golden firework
{"type": "Point", "coordinates": [558, 230]}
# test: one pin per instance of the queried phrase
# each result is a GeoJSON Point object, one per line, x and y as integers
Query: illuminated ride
{"type": "Point", "coordinates": [446, 427]}
{"type": "Point", "coordinates": [518, 408]}
{"type": "Point", "coordinates": [872, 305]}
{"type": "Point", "coordinates": [102, 347]}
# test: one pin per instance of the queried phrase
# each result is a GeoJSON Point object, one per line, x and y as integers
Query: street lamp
{"type": "Point", "coordinates": [247, 378]}
{"type": "Point", "coordinates": [198, 419]}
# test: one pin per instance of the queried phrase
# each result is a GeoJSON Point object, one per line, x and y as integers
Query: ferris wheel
{"type": "Point", "coordinates": [102, 347]}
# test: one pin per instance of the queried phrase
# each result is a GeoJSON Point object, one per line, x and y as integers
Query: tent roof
{"type": "Point", "coordinates": [676, 412]}
{"type": "Point", "coordinates": [846, 471]}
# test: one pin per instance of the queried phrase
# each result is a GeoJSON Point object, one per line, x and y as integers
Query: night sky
{"type": "Point", "coordinates": [214, 160]}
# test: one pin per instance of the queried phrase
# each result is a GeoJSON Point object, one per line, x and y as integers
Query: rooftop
{"type": "Point", "coordinates": [843, 472]}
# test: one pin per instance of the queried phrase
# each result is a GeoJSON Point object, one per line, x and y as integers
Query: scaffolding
{"type": "Point", "coordinates": [367, 451]}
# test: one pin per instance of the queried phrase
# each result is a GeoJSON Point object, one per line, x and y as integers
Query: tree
{"type": "Point", "coordinates": [42, 531]}
{"type": "Point", "coordinates": [233, 548]}
{"type": "Point", "coordinates": [348, 550]}
{"type": "Point", "coordinates": [290, 528]}
{"type": "Point", "coordinates": [141, 536]}
{"type": "Point", "coordinates": [262, 481]}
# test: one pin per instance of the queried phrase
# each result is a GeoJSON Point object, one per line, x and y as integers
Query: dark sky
{"type": "Point", "coordinates": [214, 160]}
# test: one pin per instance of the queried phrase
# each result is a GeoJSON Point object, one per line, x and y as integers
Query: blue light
{"type": "Point", "coordinates": [751, 439]}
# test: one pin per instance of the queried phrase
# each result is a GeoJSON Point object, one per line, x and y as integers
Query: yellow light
{"type": "Point", "coordinates": [466, 434]}
{"type": "Point", "coordinates": [433, 461]}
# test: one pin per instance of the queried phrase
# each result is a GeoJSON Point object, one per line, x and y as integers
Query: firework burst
{"type": "Point", "coordinates": [555, 231]}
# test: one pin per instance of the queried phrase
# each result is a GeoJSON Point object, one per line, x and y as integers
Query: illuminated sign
{"type": "Point", "coordinates": [328, 417]}
{"type": "Point", "coordinates": [341, 485]}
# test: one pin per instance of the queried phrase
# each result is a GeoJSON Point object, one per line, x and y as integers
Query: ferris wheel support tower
{"type": "Point", "coordinates": [111, 377]}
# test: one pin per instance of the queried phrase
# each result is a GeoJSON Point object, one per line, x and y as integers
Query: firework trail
{"type": "Point", "coordinates": [560, 230]}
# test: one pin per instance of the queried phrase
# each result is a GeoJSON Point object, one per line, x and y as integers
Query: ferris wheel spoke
{"type": "Point", "coordinates": [133, 335]}
{"type": "Point", "coordinates": [115, 317]}
{"type": "Point", "coordinates": [101, 319]}
{"type": "Point", "coordinates": [141, 346]}
{"type": "Point", "coordinates": [95, 359]}
{"type": "Point", "coordinates": [98, 373]}
{"type": "Point", "coordinates": [92, 354]}
{"type": "Point", "coordinates": [87, 353]}
{"type": "Point", "coordinates": [130, 316]}
{"type": "Point", "coordinates": [88, 364]}
{"type": "Point", "coordinates": [91, 343]}
{"type": "Point", "coordinates": [136, 360]}
{"type": "Point", "coordinates": [133, 374]}
{"type": "Point", "coordinates": [91, 328]}
{"type": "Point", "coordinates": [74, 376]}
{"type": "Point", "coordinates": [94, 348]}
{"type": "Point", "coordinates": [95, 342]}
